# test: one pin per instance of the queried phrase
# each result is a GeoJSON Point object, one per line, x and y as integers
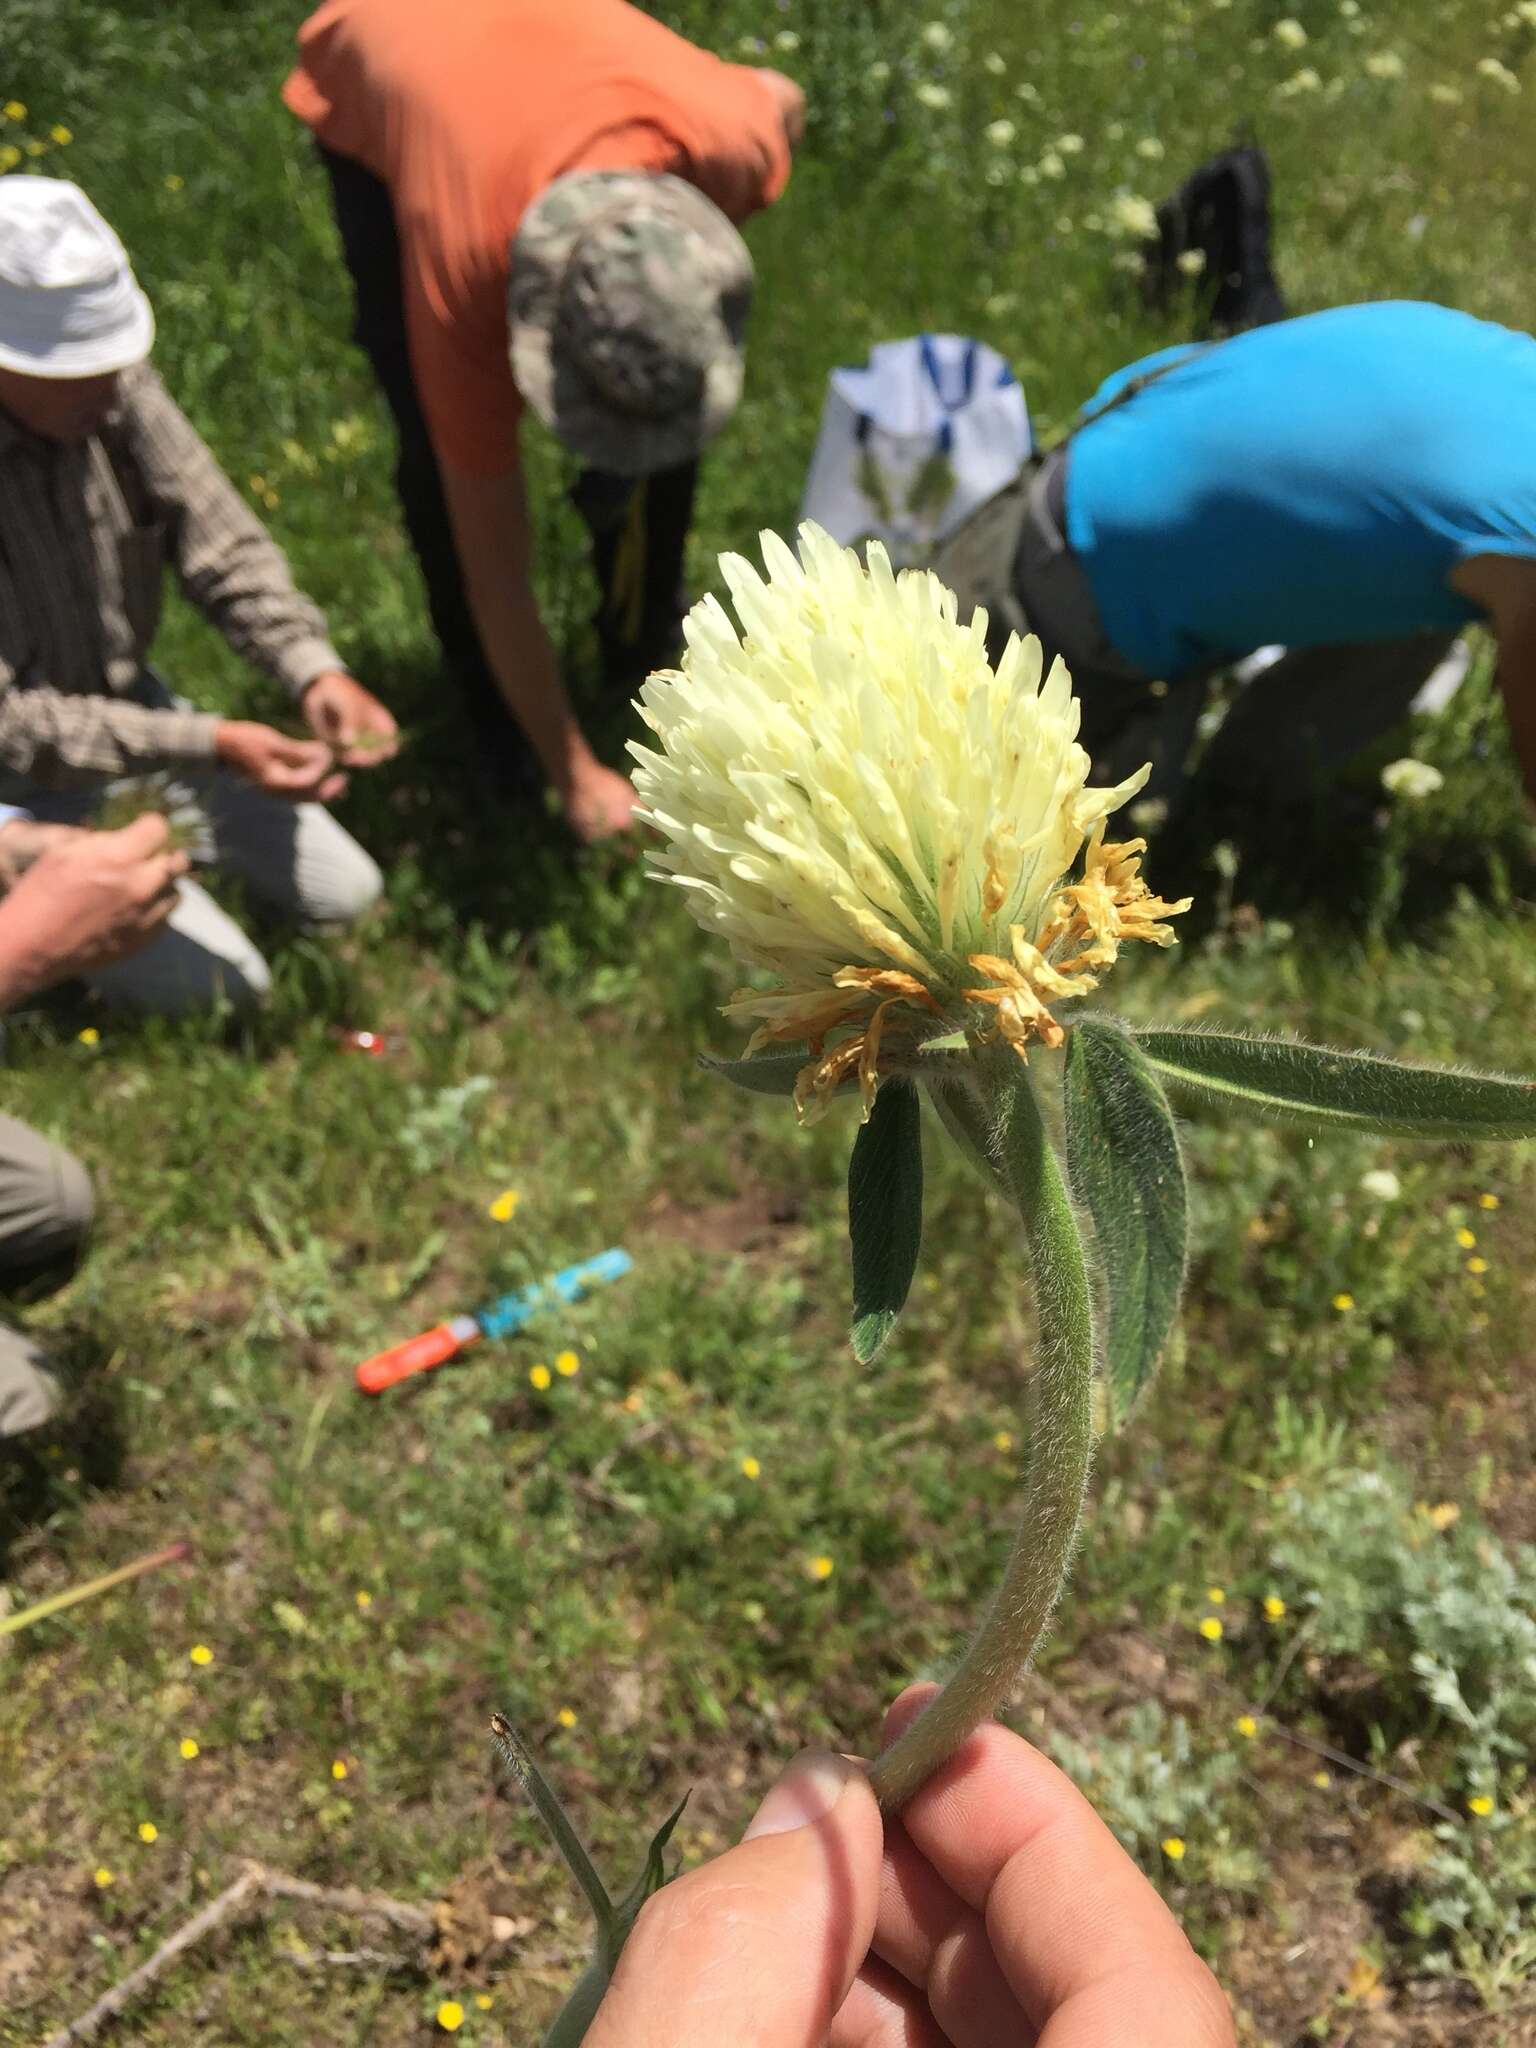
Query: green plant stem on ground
{"type": "Point", "coordinates": [997, 1118]}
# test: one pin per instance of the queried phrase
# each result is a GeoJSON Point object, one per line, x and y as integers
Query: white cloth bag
{"type": "Point", "coordinates": [911, 444]}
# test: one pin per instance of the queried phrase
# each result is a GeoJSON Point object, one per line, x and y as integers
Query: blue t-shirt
{"type": "Point", "coordinates": [1312, 482]}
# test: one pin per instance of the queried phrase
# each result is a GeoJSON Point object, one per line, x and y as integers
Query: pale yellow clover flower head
{"type": "Point", "coordinates": [1130, 214]}
{"type": "Point", "coordinates": [869, 812]}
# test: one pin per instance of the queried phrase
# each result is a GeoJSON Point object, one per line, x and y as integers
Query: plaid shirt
{"type": "Point", "coordinates": [86, 530]}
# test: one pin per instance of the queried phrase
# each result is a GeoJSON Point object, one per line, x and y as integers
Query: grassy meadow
{"type": "Point", "coordinates": [1300, 1639]}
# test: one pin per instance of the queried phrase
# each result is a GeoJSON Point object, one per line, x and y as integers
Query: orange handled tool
{"type": "Point", "coordinates": [498, 1319]}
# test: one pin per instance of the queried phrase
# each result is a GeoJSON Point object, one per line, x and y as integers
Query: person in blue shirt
{"type": "Point", "coordinates": [1355, 485]}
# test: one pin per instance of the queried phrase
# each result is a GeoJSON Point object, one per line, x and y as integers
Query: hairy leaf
{"type": "Point", "coordinates": [885, 1214]}
{"type": "Point", "coordinates": [1358, 1091]}
{"type": "Point", "coordinates": [767, 1073]}
{"type": "Point", "coordinates": [1124, 1164]}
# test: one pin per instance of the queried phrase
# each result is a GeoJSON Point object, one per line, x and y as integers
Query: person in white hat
{"type": "Point", "coordinates": [539, 207]}
{"type": "Point", "coordinates": [104, 484]}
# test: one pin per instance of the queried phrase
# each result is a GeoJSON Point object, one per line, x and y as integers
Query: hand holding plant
{"type": "Point", "coordinates": [901, 842]}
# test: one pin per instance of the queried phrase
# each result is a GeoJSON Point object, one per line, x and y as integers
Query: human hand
{"type": "Point", "coordinates": [91, 899]}
{"type": "Point", "coordinates": [302, 771]}
{"type": "Point", "coordinates": [997, 1912]}
{"type": "Point", "coordinates": [791, 99]}
{"type": "Point", "coordinates": [24, 840]}
{"type": "Point", "coordinates": [350, 719]}
{"type": "Point", "coordinates": [598, 803]}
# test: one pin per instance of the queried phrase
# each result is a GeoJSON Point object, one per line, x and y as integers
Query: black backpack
{"type": "Point", "coordinates": [1222, 209]}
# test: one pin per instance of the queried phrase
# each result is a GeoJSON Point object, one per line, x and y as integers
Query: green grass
{"type": "Point", "coordinates": [274, 1209]}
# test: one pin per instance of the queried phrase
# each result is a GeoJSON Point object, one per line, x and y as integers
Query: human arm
{"type": "Point", "coordinates": [92, 898]}
{"type": "Point", "coordinates": [226, 562]}
{"type": "Point", "coordinates": [999, 1909]}
{"type": "Point", "coordinates": [491, 531]}
{"type": "Point", "coordinates": [1504, 586]}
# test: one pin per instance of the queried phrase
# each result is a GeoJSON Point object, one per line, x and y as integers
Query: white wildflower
{"type": "Point", "coordinates": [1000, 133]}
{"type": "Point", "coordinates": [878, 72]}
{"type": "Point", "coordinates": [1385, 64]}
{"type": "Point", "coordinates": [1445, 94]}
{"type": "Point", "coordinates": [1051, 165]}
{"type": "Point", "coordinates": [1290, 34]}
{"type": "Point", "coordinates": [1411, 778]}
{"type": "Point", "coordinates": [1151, 149]}
{"type": "Point", "coordinates": [930, 95]}
{"type": "Point", "coordinates": [1028, 93]}
{"type": "Point", "coordinates": [1130, 214]}
{"type": "Point", "coordinates": [864, 808]}
{"type": "Point", "coordinates": [1381, 1184]}
{"type": "Point", "coordinates": [1191, 261]}
{"type": "Point", "coordinates": [786, 40]}
{"type": "Point", "coordinates": [1304, 80]}
{"type": "Point", "coordinates": [1070, 145]}
{"type": "Point", "coordinates": [938, 37]}
{"type": "Point", "coordinates": [996, 63]}
{"type": "Point", "coordinates": [1490, 67]}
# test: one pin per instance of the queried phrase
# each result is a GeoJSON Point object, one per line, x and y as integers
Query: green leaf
{"type": "Point", "coordinates": [1333, 1091]}
{"type": "Point", "coordinates": [768, 1073]}
{"type": "Point", "coordinates": [1123, 1160]}
{"type": "Point", "coordinates": [885, 1214]}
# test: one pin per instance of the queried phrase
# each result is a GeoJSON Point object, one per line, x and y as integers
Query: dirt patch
{"type": "Point", "coordinates": [744, 1225]}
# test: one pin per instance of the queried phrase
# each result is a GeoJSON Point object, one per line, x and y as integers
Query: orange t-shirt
{"type": "Point", "coordinates": [467, 111]}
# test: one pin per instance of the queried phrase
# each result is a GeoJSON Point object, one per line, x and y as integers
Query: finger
{"type": "Point", "coordinates": [943, 1947]}
{"type": "Point", "coordinates": [143, 837]}
{"type": "Point", "coordinates": [1066, 1908]}
{"type": "Point", "coordinates": [759, 1947]}
{"type": "Point", "coordinates": [883, 2010]}
{"type": "Point", "coordinates": [334, 786]}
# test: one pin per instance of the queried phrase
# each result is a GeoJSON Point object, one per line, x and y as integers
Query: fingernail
{"type": "Point", "coordinates": [807, 1792]}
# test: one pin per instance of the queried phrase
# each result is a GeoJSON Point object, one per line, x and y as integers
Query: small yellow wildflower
{"type": "Point", "coordinates": [148, 1832]}
{"type": "Point", "coordinates": [484, 2000]}
{"type": "Point", "coordinates": [750, 1468]}
{"type": "Point", "coordinates": [1488, 1201]}
{"type": "Point", "coordinates": [1217, 1595]}
{"type": "Point", "coordinates": [1173, 1848]}
{"type": "Point", "coordinates": [1212, 1629]}
{"type": "Point", "coordinates": [820, 1567]}
{"type": "Point", "coordinates": [10, 157]}
{"type": "Point", "coordinates": [61, 135]}
{"type": "Point", "coordinates": [1476, 1288]}
{"type": "Point", "coordinates": [14, 110]}
{"type": "Point", "coordinates": [174, 181]}
{"type": "Point", "coordinates": [504, 1208]}
{"type": "Point", "coordinates": [450, 2015]}
{"type": "Point", "coordinates": [1274, 1607]}
{"type": "Point", "coordinates": [90, 1035]}
{"type": "Point", "coordinates": [1477, 1265]}
{"type": "Point", "coordinates": [1480, 1804]}
{"type": "Point", "coordinates": [101, 1877]}
{"type": "Point", "coordinates": [1443, 1515]}
{"type": "Point", "coordinates": [1343, 1303]}
{"type": "Point", "coordinates": [567, 1364]}
{"type": "Point", "coordinates": [36, 148]}
{"type": "Point", "coordinates": [566, 1717]}
{"type": "Point", "coordinates": [1003, 1440]}
{"type": "Point", "coordinates": [339, 1768]}
{"type": "Point", "coordinates": [1321, 1780]}
{"type": "Point", "coordinates": [200, 1654]}
{"type": "Point", "coordinates": [540, 1376]}
{"type": "Point", "coordinates": [1246, 1726]}
{"type": "Point", "coordinates": [363, 1598]}
{"type": "Point", "coordinates": [187, 1748]}
{"type": "Point", "coordinates": [1467, 1239]}
{"type": "Point", "coordinates": [633, 1401]}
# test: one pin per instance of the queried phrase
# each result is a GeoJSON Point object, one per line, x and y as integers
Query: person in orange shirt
{"type": "Point", "coordinates": [537, 201]}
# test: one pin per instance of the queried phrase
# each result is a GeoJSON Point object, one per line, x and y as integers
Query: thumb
{"type": "Point", "coordinates": [759, 1947]}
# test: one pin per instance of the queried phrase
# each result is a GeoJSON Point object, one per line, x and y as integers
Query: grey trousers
{"type": "Point", "coordinates": [294, 858]}
{"type": "Point", "coordinates": [45, 1218]}
{"type": "Point", "coordinates": [1297, 721]}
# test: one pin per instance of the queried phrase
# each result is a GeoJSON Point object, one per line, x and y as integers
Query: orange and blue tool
{"type": "Point", "coordinates": [499, 1318]}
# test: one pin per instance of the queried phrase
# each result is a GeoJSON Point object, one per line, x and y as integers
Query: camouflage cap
{"type": "Point", "coordinates": [626, 310]}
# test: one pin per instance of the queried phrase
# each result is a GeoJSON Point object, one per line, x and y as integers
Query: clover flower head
{"type": "Point", "coordinates": [869, 812]}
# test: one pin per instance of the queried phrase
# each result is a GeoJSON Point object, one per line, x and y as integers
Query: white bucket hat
{"type": "Point", "coordinates": [70, 305]}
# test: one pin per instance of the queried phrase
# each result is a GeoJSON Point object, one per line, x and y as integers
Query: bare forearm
{"type": "Point", "coordinates": [527, 673]}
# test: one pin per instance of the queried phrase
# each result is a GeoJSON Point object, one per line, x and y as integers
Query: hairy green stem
{"type": "Point", "coordinates": [997, 1121]}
